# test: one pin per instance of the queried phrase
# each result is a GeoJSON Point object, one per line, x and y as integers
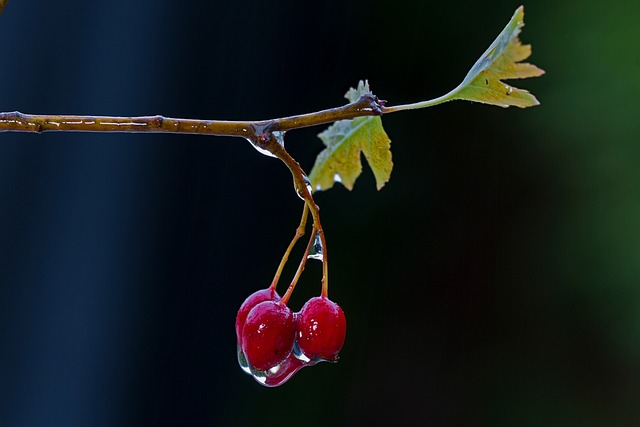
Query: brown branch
{"type": "Point", "coordinates": [367, 105]}
{"type": "Point", "coordinates": [260, 133]}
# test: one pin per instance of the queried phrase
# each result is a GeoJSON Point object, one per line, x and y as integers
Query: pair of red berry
{"type": "Point", "coordinates": [274, 343]}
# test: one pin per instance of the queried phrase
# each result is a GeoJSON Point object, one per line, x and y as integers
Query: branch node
{"type": "Point", "coordinates": [370, 103]}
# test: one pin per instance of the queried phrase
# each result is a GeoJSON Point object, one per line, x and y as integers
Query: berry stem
{"type": "Point", "coordinates": [303, 263]}
{"type": "Point", "coordinates": [325, 265]}
{"type": "Point", "coordinates": [270, 143]}
{"type": "Point", "coordinates": [299, 233]}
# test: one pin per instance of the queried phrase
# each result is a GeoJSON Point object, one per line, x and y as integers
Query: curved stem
{"type": "Point", "coordinates": [296, 237]}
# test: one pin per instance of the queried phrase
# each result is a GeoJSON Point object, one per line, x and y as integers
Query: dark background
{"type": "Point", "coordinates": [495, 281]}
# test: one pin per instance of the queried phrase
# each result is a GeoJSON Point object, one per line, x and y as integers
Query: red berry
{"type": "Point", "coordinates": [268, 334]}
{"type": "Point", "coordinates": [321, 329]}
{"type": "Point", "coordinates": [251, 301]}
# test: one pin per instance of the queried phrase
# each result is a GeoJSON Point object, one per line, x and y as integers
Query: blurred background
{"type": "Point", "coordinates": [495, 280]}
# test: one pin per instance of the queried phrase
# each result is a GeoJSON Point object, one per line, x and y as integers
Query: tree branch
{"type": "Point", "coordinates": [260, 133]}
{"type": "Point", "coordinates": [367, 105]}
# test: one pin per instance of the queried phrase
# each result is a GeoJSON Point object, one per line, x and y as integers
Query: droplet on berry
{"type": "Point", "coordinates": [268, 335]}
{"type": "Point", "coordinates": [242, 360]}
{"type": "Point", "coordinates": [321, 329]}
{"type": "Point", "coordinates": [298, 354]}
{"type": "Point", "coordinates": [280, 373]}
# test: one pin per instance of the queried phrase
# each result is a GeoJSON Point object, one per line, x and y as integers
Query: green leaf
{"type": "Point", "coordinates": [345, 141]}
{"type": "Point", "coordinates": [501, 61]}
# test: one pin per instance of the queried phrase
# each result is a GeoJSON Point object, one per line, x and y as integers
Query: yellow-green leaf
{"type": "Point", "coordinates": [345, 140]}
{"type": "Point", "coordinates": [483, 83]}
{"type": "Point", "coordinates": [502, 61]}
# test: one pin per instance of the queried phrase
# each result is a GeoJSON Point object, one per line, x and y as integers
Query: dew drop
{"type": "Point", "coordinates": [280, 373]}
{"type": "Point", "coordinates": [298, 354]}
{"type": "Point", "coordinates": [260, 149]}
{"type": "Point", "coordinates": [307, 183]}
{"type": "Point", "coordinates": [259, 376]}
{"type": "Point", "coordinates": [242, 361]}
{"type": "Point", "coordinates": [273, 371]}
{"type": "Point", "coordinates": [279, 136]}
{"type": "Point", "coordinates": [316, 251]}
{"type": "Point", "coordinates": [337, 178]}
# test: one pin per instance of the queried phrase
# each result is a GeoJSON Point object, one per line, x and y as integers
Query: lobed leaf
{"type": "Point", "coordinates": [502, 60]}
{"type": "Point", "coordinates": [345, 141]}
{"type": "Point", "coordinates": [483, 83]}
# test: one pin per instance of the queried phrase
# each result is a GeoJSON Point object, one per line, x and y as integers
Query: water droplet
{"type": "Point", "coordinates": [273, 371]}
{"type": "Point", "coordinates": [259, 376]}
{"type": "Point", "coordinates": [307, 183]}
{"type": "Point", "coordinates": [316, 251]}
{"type": "Point", "coordinates": [337, 178]}
{"type": "Point", "coordinates": [279, 136]}
{"type": "Point", "coordinates": [298, 354]}
{"type": "Point", "coordinates": [280, 373]}
{"type": "Point", "coordinates": [242, 361]}
{"type": "Point", "coordinates": [260, 149]}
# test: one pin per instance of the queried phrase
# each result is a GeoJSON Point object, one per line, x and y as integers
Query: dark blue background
{"type": "Point", "coordinates": [493, 281]}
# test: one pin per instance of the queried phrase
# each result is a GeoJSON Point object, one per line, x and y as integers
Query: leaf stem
{"type": "Point", "coordinates": [423, 104]}
{"type": "Point", "coordinates": [299, 233]}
